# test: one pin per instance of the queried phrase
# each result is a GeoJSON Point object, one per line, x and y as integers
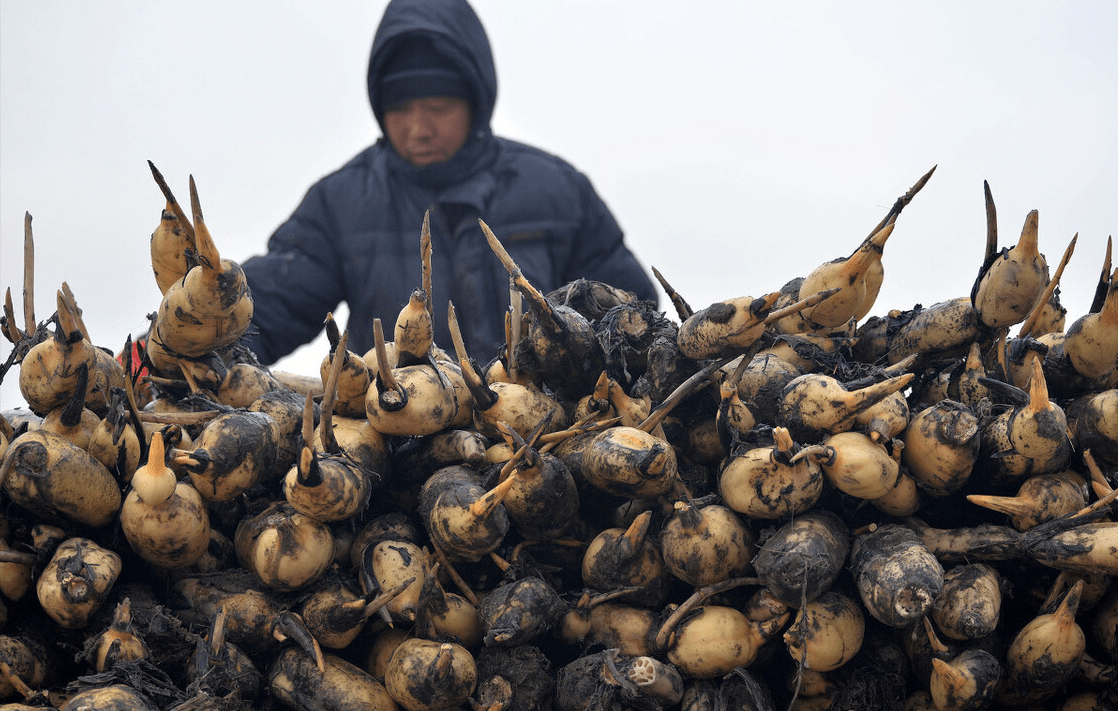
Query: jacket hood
{"type": "Point", "coordinates": [457, 33]}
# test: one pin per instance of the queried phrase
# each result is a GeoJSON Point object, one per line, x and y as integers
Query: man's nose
{"type": "Point", "coordinates": [418, 127]}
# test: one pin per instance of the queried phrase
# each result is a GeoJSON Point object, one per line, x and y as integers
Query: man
{"type": "Point", "coordinates": [355, 237]}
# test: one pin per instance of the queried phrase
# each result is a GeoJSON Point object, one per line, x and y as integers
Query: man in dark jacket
{"type": "Point", "coordinates": [356, 236]}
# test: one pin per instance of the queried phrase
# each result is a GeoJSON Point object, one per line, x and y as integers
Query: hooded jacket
{"type": "Point", "coordinates": [356, 235]}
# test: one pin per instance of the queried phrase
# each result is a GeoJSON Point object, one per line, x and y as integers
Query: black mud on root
{"type": "Point", "coordinates": [626, 333]}
{"type": "Point", "coordinates": [525, 668]}
{"type": "Point", "coordinates": [876, 678]}
{"type": "Point", "coordinates": [519, 612]}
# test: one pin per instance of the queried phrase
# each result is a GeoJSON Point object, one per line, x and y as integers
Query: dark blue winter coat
{"type": "Point", "coordinates": [356, 235]}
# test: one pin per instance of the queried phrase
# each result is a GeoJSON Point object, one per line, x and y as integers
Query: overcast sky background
{"type": "Point", "coordinates": [739, 144]}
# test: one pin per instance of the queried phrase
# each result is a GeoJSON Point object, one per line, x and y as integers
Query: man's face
{"type": "Point", "coordinates": [428, 130]}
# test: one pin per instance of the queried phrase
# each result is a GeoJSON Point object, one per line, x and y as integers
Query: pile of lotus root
{"type": "Point", "coordinates": [773, 502]}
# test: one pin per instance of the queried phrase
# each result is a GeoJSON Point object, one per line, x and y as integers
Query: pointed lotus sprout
{"type": "Point", "coordinates": [1047, 315]}
{"type": "Point", "coordinates": [209, 308]}
{"type": "Point", "coordinates": [1039, 430]}
{"type": "Point", "coordinates": [1091, 343]}
{"type": "Point", "coordinates": [560, 344]}
{"type": "Point", "coordinates": [414, 333]}
{"type": "Point", "coordinates": [520, 406]}
{"type": "Point", "coordinates": [353, 377]}
{"type": "Point", "coordinates": [335, 615]}
{"type": "Point", "coordinates": [1010, 284]}
{"type": "Point", "coordinates": [172, 239]}
{"type": "Point", "coordinates": [467, 522]}
{"type": "Point", "coordinates": [408, 400]}
{"type": "Point", "coordinates": [1045, 653]}
{"type": "Point", "coordinates": [725, 327]}
{"type": "Point", "coordinates": [971, 391]}
{"type": "Point", "coordinates": [234, 451]}
{"type": "Point", "coordinates": [706, 545]}
{"type": "Point", "coordinates": [328, 485]}
{"type": "Point", "coordinates": [115, 442]}
{"type": "Point", "coordinates": [49, 369]}
{"type": "Point", "coordinates": [219, 666]}
{"type": "Point", "coordinates": [392, 563]}
{"type": "Point", "coordinates": [164, 520]}
{"type": "Point", "coordinates": [763, 482]}
{"type": "Point", "coordinates": [849, 276]}
{"type": "Point", "coordinates": [119, 642]}
{"type": "Point", "coordinates": [427, 675]}
{"type": "Point", "coordinates": [621, 558]}
{"type": "Point", "coordinates": [967, 681]}
{"type": "Point", "coordinates": [170, 244]}
{"type": "Point", "coordinates": [814, 404]}
{"type": "Point", "coordinates": [543, 503]}
{"type": "Point", "coordinates": [1041, 498]}
{"type": "Point", "coordinates": [733, 419]}
{"type": "Point", "coordinates": [1033, 437]}
{"type": "Point", "coordinates": [447, 615]}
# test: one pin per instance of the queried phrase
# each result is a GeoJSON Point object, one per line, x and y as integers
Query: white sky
{"type": "Point", "coordinates": [739, 144]}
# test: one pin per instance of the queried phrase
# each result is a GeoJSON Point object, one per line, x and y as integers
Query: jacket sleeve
{"type": "Point", "coordinates": [600, 252]}
{"type": "Point", "coordinates": [296, 283]}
